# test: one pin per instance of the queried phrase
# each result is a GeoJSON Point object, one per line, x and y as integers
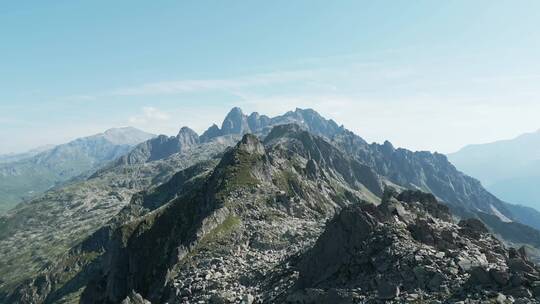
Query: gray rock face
{"type": "Point", "coordinates": [161, 147]}
{"type": "Point", "coordinates": [187, 138]}
{"type": "Point", "coordinates": [324, 154]}
{"type": "Point", "coordinates": [472, 227]}
{"type": "Point", "coordinates": [352, 226]}
{"type": "Point", "coordinates": [235, 122]}
{"type": "Point", "coordinates": [257, 122]}
{"type": "Point", "coordinates": [365, 247]}
{"type": "Point", "coordinates": [212, 132]}
{"type": "Point", "coordinates": [387, 291]}
{"type": "Point", "coordinates": [135, 298]}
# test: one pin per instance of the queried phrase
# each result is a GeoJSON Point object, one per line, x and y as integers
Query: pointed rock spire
{"type": "Point", "coordinates": [187, 138]}
{"type": "Point", "coordinates": [251, 143]}
{"type": "Point", "coordinates": [257, 122]}
{"type": "Point", "coordinates": [235, 122]}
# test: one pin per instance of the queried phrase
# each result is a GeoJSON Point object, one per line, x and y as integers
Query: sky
{"type": "Point", "coordinates": [426, 75]}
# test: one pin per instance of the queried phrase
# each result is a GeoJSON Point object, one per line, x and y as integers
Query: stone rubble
{"type": "Point", "coordinates": [405, 253]}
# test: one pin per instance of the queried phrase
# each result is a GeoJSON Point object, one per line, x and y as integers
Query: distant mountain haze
{"type": "Point", "coordinates": [31, 173]}
{"type": "Point", "coordinates": [510, 169]}
{"type": "Point", "coordinates": [11, 157]}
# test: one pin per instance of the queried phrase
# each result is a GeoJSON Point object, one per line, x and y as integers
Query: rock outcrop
{"type": "Point", "coordinates": [408, 249]}
{"type": "Point", "coordinates": [235, 122]}
{"type": "Point", "coordinates": [161, 147]}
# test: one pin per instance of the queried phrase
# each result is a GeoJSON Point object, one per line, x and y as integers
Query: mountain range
{"type": "Point", "coordinates": [508, 168]}
{"type": "Point", "coordinates": [23, 176]}
{"type": "Point", "coordinates": [11, 157]}
{"type": "Point", "coordinates": [286, 209]}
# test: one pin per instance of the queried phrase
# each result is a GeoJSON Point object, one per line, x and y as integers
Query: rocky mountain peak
{"type": "Point", "coordinates": [315, 123]}
{"type": "Point", "coordinates": [125, 136]}
{"type": "Point", "coordinates": [388, 146]}
{"type": "Point", "coordinates": [308, 113]}
{"type": "Point", "coordinates": [244, 165]}
{"type": "Point", "coordinates": [281, 131]}
{"type": "Point", "coordinates": [187, 138]}
{"type": "Point", "coordinates": [161, 147]}
{"type": "Point", "coordinates": [235, 122]}
{"type": "Point", "coordinates": [212, 132]}
{"type": "Point", "coordinates": [257, 122]}
{"type": "Point", "coordinates": [251, 144]}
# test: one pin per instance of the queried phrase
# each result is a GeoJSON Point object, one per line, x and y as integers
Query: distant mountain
{"type": "Point", "coordinates": [161, 147]}
{"type": "Point", "coordinates": [510, 169]}
{"type": "Point", "coordinates": [236, 122]}
{"type": "Point", "coordinates": [30, 175]}
{"type": "Point", "coordinates": [12, 157]}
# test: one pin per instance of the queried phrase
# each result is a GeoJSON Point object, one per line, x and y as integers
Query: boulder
{"type": "Point", "coordinates": [472, 227]}
{"type": "Point", "coordinates": [520, 265]}
{"type": "Point", "coordinates": [520, 292]}
{"type": "Point", "coordinates": [387, 290]}
{"type": "Point", "coordinates": [479, 276]}
{"type": "Point", "coordinates": [135, 298]}
{"type": "Point", "coordinates": [499, 276]}
{"type": "Point", "coordinates": [535, 287]}
{"type": "Point", "coordinates": [247, 299]}
{"type": "Point", "coordinates": [422, 232]}
{"type": "Point", "coordinates": [436, 281]}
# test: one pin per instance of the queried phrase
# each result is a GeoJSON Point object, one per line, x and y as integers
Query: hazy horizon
{"type": "Point", "coordinates": [423, 75]}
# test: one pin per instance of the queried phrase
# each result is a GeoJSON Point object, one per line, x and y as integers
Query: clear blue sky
{"type": "Point", "coordinates": [432, 75]}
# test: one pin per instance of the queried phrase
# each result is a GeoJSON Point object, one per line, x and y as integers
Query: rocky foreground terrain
{"type": "Point", "coordinates": [299, 210]}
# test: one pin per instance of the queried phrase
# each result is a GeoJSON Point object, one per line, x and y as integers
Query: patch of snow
{"type": "Point", "coordinates": [499, 214]}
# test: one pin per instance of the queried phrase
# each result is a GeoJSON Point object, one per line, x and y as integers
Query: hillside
{"type": "Point", "coordinates": [150, 223]}
{"type": "Point", "coordinates": [251, 227]}
{"type": "Point", "coordinates": [31, 175]}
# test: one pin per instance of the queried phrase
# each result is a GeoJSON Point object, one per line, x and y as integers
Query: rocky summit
{"type": "Point", "coordinates": [289, 209]}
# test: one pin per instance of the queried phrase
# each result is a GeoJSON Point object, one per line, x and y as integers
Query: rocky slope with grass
{"type": "Point", "coordinates": [36, 233]}
{"type": "Point", "coordinates": [183, 219]}
{"type": "Point", "coordinates": [422, 170]}
{"type": "Point", "coordinates": [152, 240]}
{"type": "Point", "coordinates": [253, 227]}
{"type": "Point", "coordinates": [28, 176]}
